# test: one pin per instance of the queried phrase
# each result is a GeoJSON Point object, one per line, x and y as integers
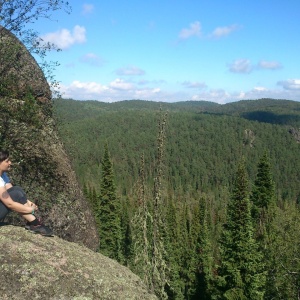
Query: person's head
{"type": "Point", "coordinates": [3, 155]}
{"type": "Point", "coordinates": [4, 161]}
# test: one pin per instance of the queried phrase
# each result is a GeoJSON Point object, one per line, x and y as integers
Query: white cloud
{"type": "Point", "coordinates": [120, 84]}
{"type": "Point", "coordinates": [260, 88]}
{"type": "Point", "coordinates": [193, 30]}
{"type": "Point", "coordinates": [92, 59]}
{"type": "Point", "coordinates": [87, 9]}
{"type": "Point", "coordinates": [270, 65]}
{"type": "Point", "coordinates": [194, 85]}
{"type": "Point", "coordinates": [214, 95]}
{"type": "Point", "coordinates": [240, 66]}
{"type": "Point", "coordinates": [290, 84]}
{"type": "Point", "coordinates": [222, 96]}
{"type": "Point", "coordinates": [245, 66]}
{"type": "Point", "coordinates": [119, 89]}
{"type": "Point", "coordinates": [116, 90]}
{"type": "Point", "coordinates": [224, 31]}
{"type": "Point", "coordinates": [83, 90]}
{"type": "Point", "coordinates": [64, 38]}
{"type": "Point", "coordinates": [130, 71]}
{"type": "Point", "coordinates": [147, 93]}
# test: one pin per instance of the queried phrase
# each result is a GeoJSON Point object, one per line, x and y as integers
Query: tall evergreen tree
{"type": "Point", "coordinates": [109, 212]}
{"type": "Point", "coordinates": [241, 273]}
{"type": "Point", "coordinates": [158, 252]}
{"type": "Point", "coordinates": [140, 225]}
{"type": "Point", "coordinates": [264, 213]}
{"type": "Point", "coordinates": [174, 246]}
{"type": "Point", "coordinates": [263, 194]}
{"type": "Point", "coordinates": [205, 272]}
{"type": "Point", "coordinates": [190, 257]}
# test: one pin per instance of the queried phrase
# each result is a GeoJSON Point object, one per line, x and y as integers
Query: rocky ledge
{"type": "Point", "coordinates": [37, 267]}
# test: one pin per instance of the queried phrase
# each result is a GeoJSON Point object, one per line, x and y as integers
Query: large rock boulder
{"type": "Point", "coordinates": [19, 71]}
{"type": "Point", "coordinates": [36, 267]}
{"type": "Point", "coordinates": [40, 164]}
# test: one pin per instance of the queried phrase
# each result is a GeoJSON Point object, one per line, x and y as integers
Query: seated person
{"type": "Point", "coordinates": [14, 198]}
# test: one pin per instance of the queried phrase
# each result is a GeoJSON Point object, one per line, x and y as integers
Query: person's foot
{"type": "Point", "coordinates": [39, 229]}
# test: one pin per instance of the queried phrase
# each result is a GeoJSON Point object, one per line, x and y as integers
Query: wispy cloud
{"type": "Point", "coordinates": [222, 96]}
{"type": "Point", "coordinates": [224, 31]}
{"type": "Point", "coordinates": [245, 66]}
{"type": "Point", "coordinates": [290, 84]}
{"type": "Point", "coordinates": [193, 30]}
{"type": "Point", "coordinates": [241, 66]}
{"type": "Point", "coordinates": [194, 84]}
{"type": "Point", "coordinates": [87, 9]}
{"type": "Point", "coordinates": [130, 71]}
{"type": "Point", "coordinates": [92, 59]}
{"type": "Point", "coordinates": [64, 38]}
{"type": "Point", "coordinates": [270, 65]}
{"type": "Point", "coordinates": [260, 89]}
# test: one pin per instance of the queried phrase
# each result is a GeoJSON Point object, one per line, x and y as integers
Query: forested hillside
{"type": "Point", "coordinates": [204, 141]}
{"type": "Point", "coordinates": [175, 182]}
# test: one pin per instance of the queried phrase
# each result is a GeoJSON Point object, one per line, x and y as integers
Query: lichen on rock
{"type": "Point", "coordinates": [37, 267]}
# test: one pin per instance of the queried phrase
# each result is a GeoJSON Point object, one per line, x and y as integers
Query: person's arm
{"type": "Point", "coordinates": [6, 180]}
{"type": "Point", "coordinates": [15, 206]}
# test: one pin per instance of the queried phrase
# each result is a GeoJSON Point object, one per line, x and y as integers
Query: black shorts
{"type": "Point", "coordinates": [18, 195]}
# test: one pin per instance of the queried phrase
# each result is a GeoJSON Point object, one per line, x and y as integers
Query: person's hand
{"type": "Point", "coordinates": [34, 206]}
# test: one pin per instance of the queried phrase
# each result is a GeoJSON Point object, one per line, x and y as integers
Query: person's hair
{"type": "Point", "coordinates": [3, 155]}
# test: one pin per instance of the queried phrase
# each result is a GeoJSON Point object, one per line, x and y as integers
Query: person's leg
{"type": "Point", "coordinates": [33, 224]}
{"type": "Point", "coordinates": [18, 195]}
{"type": "Point", "coordinates": [3, 211]}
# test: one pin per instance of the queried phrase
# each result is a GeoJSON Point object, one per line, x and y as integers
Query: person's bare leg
{"type": "Point", "coordinates": [28, 217]}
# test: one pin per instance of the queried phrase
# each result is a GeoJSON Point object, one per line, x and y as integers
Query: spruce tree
{"type": "Point", "coordinates": [191, 254]}
{"type": "Point", "coordinates": [158, 252]}
{"type": "Point", "coordinates": [241, 273]}
{"type": "Point", "coordinates": [205, 254]}
{"type": "Point", "coordinates": [263, 194]}
{"type": "Point", "coordinates": [148, 226]}
{"type": "Point", "coordinates": [109, 212]}
{"type": "Point", "coordinates": [140, 227]}
{"type": "Point", "coordinates": [264, 213]}
{"type": "Point", "coordinates": [174, 246]}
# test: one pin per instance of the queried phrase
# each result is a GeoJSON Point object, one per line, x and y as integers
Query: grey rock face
{"type": "Point", "coordinates": [19, 70]}
{"type": "Point", "coordinates": [37, 267]}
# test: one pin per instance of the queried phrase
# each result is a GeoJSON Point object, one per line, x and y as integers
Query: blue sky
{"type": "Point", "coordinates": [163, 50]}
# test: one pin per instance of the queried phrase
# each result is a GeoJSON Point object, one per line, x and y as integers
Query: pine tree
{"type": "Point", "coordinates": [241, 274]}
{"type": "Point", "coordinates": [109, 212]}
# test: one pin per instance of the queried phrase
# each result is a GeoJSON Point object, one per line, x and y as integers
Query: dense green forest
{"type": "Point", "coordinates": [168, 180]}
{"type": "Point", "coordinates": [204, 141]}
